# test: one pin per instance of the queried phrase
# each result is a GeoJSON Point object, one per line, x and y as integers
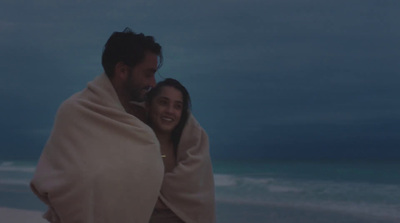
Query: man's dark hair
{"type": "Point", "coordinates": [186, 106]}
{"type": "Point", "coordinates": [129, 48]}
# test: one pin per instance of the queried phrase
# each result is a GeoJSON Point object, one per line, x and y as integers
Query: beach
{"type": "Point", "coordinates": [242, 213]}
{"type": "Point", "coordinates": [12, 215]}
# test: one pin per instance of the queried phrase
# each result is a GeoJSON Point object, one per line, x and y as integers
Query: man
{"type": "Point", "coordinates": [102, 164]}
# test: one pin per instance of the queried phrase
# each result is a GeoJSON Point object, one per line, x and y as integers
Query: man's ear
{"type": "Point", "coordinates": [121, 71]}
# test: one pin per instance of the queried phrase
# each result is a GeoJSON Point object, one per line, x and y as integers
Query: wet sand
{"type": "Point", "coordinates": [11, 215]}
{"type": "Point", "coordinates": [240, 213]}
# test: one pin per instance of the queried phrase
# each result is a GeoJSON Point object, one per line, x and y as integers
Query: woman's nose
{"type": "Point", "coordinates": [170, 109]}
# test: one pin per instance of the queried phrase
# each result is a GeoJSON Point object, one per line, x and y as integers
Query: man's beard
{"type": "Point", "coordinates": [136, 93]}
{"type": "Point", "coordinates": [136, 96]}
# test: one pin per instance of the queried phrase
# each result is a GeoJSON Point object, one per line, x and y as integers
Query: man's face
{"type": "Point", "coordinates": [141, 78]}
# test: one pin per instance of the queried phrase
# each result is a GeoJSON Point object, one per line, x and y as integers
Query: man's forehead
{"type": "Point", "coordinates": [150, 61]}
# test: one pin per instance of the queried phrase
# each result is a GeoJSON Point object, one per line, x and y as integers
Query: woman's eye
{"type": "Point", "coordinates": [178, 107]}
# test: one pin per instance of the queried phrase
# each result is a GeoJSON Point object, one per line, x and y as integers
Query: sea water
{"type": "Point", "coordinates": [308, 191]}
{"type": "Point", "coordinates": [270, 191]}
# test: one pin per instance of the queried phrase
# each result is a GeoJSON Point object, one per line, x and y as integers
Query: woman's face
{"type": "Point", "coordinates": [165, 110]}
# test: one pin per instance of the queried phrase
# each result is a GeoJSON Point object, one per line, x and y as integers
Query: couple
{"type": "Point", "coordinates": [110, 160]}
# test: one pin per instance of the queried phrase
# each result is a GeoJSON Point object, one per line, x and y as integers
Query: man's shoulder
{"type": "Point", "coordinates": [70, 103]}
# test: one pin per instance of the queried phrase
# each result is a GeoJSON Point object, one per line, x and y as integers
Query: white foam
{"type": "Point", "coordinates": [11, 167]}
{"type": "Point", "coordinates": [343, 197]}
{"type": "Point", "coordinates": [6, 163]}
{"type": "Point", "coordinates": [283, 189]}
{"type": "Point", "coordinates": [27, 169]}
{"type": "Point", "coordinates": [232, 180]}
{"type": "Point", "coordinates": [23, 182]}
{"type": "Point", "coordinates": [258, 180]}
{"type": "Point", "coordinates": [355, 208]}
{"type": "Point", "coordinates": [224, 180]}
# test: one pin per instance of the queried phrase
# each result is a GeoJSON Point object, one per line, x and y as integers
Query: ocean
{"type": "Point", "coordinates": [270, 190]}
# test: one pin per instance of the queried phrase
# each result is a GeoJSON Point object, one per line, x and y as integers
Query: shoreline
{"type": "Point", "coordinates": [13, 215]}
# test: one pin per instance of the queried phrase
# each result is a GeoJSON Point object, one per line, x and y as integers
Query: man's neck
{"type": "Point", "coordinates": [138, 110]}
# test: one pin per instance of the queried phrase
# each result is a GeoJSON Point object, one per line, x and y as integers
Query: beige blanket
{"type": "Point", "coordinates": [189, 189]}
{"type": "Point", "coordinates": [100, 164]}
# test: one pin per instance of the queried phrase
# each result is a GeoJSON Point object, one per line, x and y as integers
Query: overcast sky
{"type": "Point", "coordinates": [268, 79]}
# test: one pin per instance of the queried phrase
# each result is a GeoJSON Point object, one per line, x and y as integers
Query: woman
{"type": "Point", "coordinates": [187, 193]}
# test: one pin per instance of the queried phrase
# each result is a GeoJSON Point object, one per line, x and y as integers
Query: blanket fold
{"type": "Point", "coordinates": [100, 164]}
{"type": "Point", "coordinates": [189, 189]}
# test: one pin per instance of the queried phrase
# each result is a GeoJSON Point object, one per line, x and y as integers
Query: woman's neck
{"type": "Point", "coordinates": [164, 138]}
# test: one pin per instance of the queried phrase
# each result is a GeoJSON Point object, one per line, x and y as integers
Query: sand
{"type": "Point", "coordinates": [10, 215]}
{"type": "Point", "coordinates": [239, 213]}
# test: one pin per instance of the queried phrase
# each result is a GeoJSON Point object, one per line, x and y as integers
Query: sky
{"type": "Point", "coordinates": [269, 79]}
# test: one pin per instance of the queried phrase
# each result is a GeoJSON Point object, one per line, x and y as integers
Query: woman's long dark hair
{"type": "Point", "coordinates": [186, 106]}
